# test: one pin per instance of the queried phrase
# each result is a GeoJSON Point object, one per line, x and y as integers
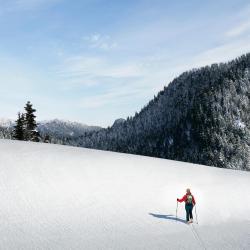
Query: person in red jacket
{"type": "Point", "coordinates": [189, 204]}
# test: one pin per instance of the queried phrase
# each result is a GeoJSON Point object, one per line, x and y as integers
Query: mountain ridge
{"type": "Point", "coordinates": [193, 119]}
{"type": "Point", "coordinates": [202, 116]}
{"type": "Point", "coordinates": [56, 129]}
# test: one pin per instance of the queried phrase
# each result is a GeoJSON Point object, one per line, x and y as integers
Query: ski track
{"type": "Point", "coordinates": [58, 197]}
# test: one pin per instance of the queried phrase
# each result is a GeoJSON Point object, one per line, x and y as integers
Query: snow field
{"type": "Point", "coordinates": [60, 197]}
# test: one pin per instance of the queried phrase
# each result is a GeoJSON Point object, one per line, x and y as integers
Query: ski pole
{"type": "Point", "coordinates": [196, 214]}
{"type": "Point", "coordinates": [176, 211]}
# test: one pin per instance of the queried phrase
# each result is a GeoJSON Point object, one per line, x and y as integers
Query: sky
{"type": "Point", "coordinates": [94, 61]}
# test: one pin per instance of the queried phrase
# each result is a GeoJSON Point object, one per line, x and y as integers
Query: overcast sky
{"type": "Point", "coordinates": [94, 61]}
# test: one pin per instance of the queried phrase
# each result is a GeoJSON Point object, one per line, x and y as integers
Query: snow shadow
{"type": "Point", "coordinates": [168, 217]}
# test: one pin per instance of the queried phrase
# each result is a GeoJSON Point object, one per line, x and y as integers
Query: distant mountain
{"type": "Point", "coordinates": [62, 130]}
{"type": "Point", "coordinates": [202, 116]}
{"type": "Point", "coordinates": [6, 123]}
{"type": "Point", "coordinates": [58, 130]}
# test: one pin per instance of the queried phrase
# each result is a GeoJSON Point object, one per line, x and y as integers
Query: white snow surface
{"type": "Point", "coordinates": [60, 197]}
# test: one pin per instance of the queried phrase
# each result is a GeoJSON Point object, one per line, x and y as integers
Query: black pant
{"type": "Point", "coordinates": [189, 208]}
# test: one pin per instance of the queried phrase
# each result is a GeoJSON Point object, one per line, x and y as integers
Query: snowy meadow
{"type": "Point", "coordinates": [60, 197]}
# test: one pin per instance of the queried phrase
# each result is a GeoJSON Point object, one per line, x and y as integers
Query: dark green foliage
{"type": "Point", "coordinates": [18, 132]}
{"type": "Point", "coordinates": [30, 123]}
{"type": "Point", "coordinates": [25, 128]}
{"type": "Point", "coordinates": [31, 134]}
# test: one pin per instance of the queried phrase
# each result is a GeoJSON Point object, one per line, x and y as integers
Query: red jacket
{"type": "Point", "coordinates": [184, 198]}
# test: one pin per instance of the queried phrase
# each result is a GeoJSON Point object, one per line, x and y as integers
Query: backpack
{"type": "Point", "coordinates": [189, 199]}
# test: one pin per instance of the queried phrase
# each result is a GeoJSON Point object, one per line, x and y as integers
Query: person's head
{"type": "Point", "coordinates": [188, 191]}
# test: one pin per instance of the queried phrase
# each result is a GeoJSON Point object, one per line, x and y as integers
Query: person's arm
{"type": "Point", "coordinates": [182, 199]}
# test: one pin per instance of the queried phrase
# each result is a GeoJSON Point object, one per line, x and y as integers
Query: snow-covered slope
{"type": "Point", "coordinates": [59, 197]}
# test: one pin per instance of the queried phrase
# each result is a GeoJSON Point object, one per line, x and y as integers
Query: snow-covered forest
{"type": "Point", "coordinates": [202, 116]}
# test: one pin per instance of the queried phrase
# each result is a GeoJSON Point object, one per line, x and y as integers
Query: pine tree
{"type": "Point", "coordinates": [18, 132]}
{"type": "Point", "coordinates": [31, 134]}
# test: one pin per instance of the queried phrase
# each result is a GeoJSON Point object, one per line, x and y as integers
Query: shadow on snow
{"type": "Point", "coordinates": [168, 217]}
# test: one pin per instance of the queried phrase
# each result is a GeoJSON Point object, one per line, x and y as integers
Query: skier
{"type": "Point", "coordinates": [189, 204]}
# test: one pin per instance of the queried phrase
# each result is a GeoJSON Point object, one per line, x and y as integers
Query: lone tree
{"type": "Point", "coordinates": [31, 134]}
{"type": "Point", "coordinates": [18, 132]}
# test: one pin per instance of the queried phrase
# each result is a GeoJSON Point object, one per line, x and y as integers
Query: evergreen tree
{"type": "Point", "coordinates": [31, 134]}
{"type": "Point", "coordinates": [18, 132]}
{"type": "Point", "coordinates": [47, 139]}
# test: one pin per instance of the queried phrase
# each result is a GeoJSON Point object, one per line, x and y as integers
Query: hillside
{"type": "Point", "coordinates": [202, 116]}
{"type": "Point", "coordinates": [60, 197]}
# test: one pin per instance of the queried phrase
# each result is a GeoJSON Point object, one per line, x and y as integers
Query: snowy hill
{"type": "Point", "coordinates": [59, 197]}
